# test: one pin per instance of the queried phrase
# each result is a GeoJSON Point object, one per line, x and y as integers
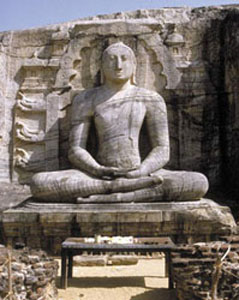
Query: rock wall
{"type": "Point", "coordinates": [33, 275]}
{"type": "Point", "coordinates": [190, 56]}
{"type": "Point", "coordinates": [230, 126]}
{"type": "Point", "coordinates": [194, 270]}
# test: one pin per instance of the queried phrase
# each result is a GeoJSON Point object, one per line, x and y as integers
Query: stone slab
{"type": "Point", "coordinates": [182, 221]}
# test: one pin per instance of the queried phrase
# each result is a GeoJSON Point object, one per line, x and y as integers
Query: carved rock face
{"type": "Point", "coordinates": [119, 109]}
{"type": "Point", "coordinates": [180, 54]}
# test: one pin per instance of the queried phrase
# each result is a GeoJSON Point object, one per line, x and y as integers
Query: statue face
{"type": "Point", "coordinates": [118, 65]}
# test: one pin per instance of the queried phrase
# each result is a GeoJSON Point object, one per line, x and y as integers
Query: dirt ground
{"type": "Point", "coordinates": [144, 281]}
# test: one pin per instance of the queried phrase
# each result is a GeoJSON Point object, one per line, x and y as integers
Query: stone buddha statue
{"type": "Point", "coordinates": [117, 173]}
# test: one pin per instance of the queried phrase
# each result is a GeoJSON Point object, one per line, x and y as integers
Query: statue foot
{"type": "Point", "coordinates": [157, 179]}
{"type": "Point", "coordinates": [125, 185]}
{"type": "Point", "coordinates": [143, 188]}
{"type": "Point", "coordinates": [150, 194]}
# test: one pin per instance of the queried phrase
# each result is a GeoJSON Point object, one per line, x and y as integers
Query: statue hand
{"type": "Point", "coordinates": [112, 172]}
{"type": "Point", "coordinates": [107, 172]}
{"type": "Point", "coordinates": [138, 173]}
{"type": "Point", "coordinates": [134, 174]}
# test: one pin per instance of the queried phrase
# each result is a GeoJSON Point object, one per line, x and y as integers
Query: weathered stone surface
{"type": "Point", "coordinates": [12, 194]}
{"type": "Point", "coordinates": [189, 56]}
{"type": "Point", "coordinates": [103, 260]}
{"type": "Point", "coordinates": [194, 270]}
{"type": "Point", "coordinates": [26, 277]}
{"type": "Point", "coordinates": [119, 260]}
{"type": "Point", "coordinates": [53, 223]}
{"type": "Point", "coordinates": [117, 173]}
{"type": "Point", "coordinates": [83, 261]}
{"type": "Point", "coordinates": [191, 59]}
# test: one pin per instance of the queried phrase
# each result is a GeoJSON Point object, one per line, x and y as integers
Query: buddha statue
{"type": "Point", "coordinates": [118, 108]}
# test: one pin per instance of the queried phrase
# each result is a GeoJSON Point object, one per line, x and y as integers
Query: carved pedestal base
{"type": "Point", "coordinates": [47, 225]}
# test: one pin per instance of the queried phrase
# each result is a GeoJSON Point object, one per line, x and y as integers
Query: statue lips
{"type": "Point", "coordinates": [120, 74]}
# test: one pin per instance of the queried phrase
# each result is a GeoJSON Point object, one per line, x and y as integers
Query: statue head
{"type": "Point", "coordinates": [118, 63]}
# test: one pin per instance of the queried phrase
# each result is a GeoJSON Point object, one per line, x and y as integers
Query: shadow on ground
{"type": "Point", "coordinates": [156, 294]}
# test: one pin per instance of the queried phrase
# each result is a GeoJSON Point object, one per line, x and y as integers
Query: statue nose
{"type": "Point", "coordinates": [119, 64]}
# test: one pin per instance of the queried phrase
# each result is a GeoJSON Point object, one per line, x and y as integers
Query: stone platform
{"type": "Point", "coordinates": [45, 226]}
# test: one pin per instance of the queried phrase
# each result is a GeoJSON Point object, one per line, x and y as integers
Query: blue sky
{"type": "Point", "coordinates": [22, 14]}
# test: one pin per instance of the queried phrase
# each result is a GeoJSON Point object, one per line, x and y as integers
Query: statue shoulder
{"type": "Point", "coordinates": [153, 101]}
{"type": "Point", "coordinates": [85, 96]}
{"type": "Point", "coordinates": [148, 95]}
{"type": "Point", "coordinates": [82, 104]}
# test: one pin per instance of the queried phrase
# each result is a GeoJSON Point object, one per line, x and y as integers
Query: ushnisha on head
{"type": "Point", "coordinates": [118, 63]}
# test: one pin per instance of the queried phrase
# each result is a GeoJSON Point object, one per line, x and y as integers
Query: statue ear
{"type": "Point", "coordinates": [102, 77]}
{"type": "Point", "coordinates": [133, 77]}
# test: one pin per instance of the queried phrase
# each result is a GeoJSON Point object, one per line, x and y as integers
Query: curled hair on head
{"type": "Point", "coordinates": [119, 45]}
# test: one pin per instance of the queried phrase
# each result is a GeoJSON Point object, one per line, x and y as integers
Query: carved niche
{"type": "Point", "coordinates": [157, 68]}
{"type": "Point", "coordinates": [66, 66]}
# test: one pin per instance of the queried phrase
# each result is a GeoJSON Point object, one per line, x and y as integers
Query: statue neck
{"type": "Point", "coordinates": [118, 86]}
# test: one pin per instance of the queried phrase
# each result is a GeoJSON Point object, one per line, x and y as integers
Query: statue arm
{"type": "Point", "coordinates": [157, 127]}
{"type": "Point", "coordinates": [78, 154]}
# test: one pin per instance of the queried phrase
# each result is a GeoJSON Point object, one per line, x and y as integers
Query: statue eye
{"type": "Point", "coordinates": [112, 57]}
{"type": "Point", "coordinates": [124, 57]}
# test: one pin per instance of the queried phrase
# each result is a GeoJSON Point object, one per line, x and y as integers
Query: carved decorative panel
{"type": "Point", "coordinates": [36, 133]}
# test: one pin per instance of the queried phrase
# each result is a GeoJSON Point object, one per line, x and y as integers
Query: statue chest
{"type": "Point", "coordinates": [119, 117]}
